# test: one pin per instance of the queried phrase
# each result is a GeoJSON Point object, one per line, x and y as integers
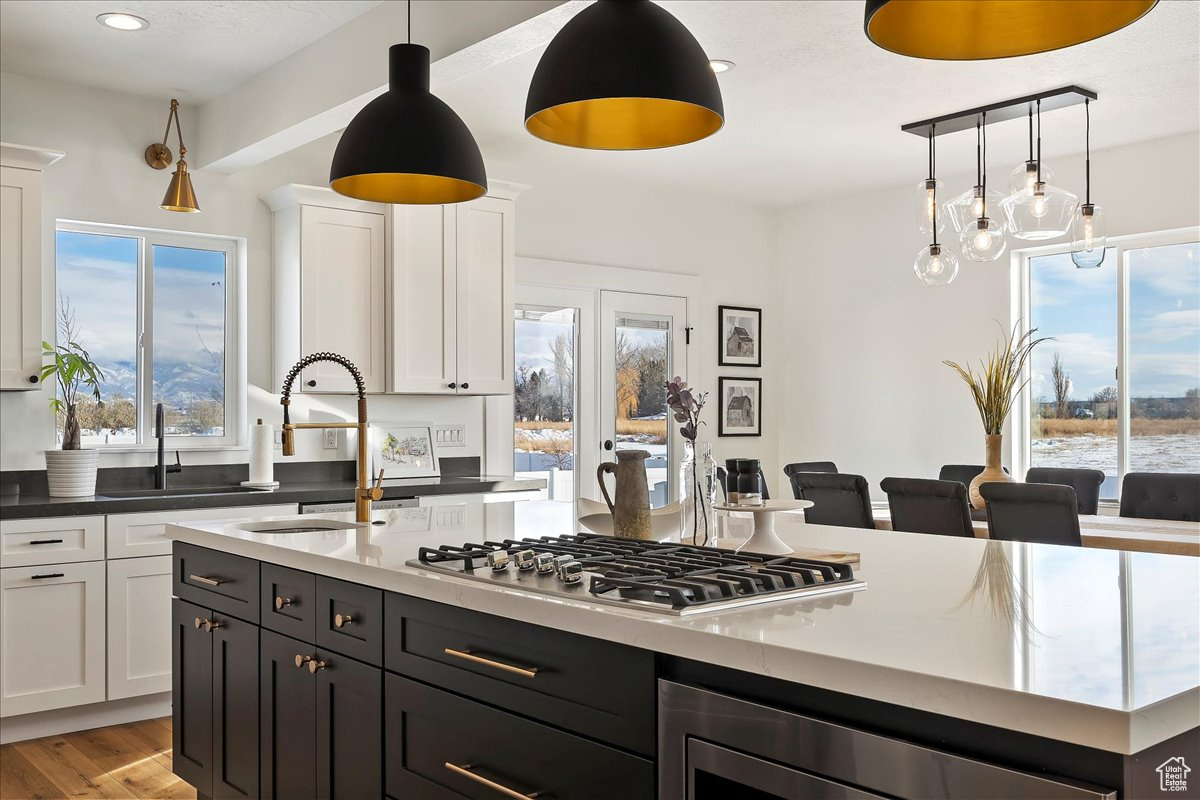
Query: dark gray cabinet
{"type": "Point", "coordinates": [287, 705]}
{"type": "Point", "coordinates": [215, 689]}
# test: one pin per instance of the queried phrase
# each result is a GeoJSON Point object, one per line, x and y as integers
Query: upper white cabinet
{"type": "Point", "coordinates": [452, 283]}
{"type": "Point", "coordinates": [330, 287]}
{"type": "Point", "coordinates": [21, 263]}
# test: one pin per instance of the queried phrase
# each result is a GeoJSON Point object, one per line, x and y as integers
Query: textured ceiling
{"type": "Point", "coordinates": [813, 108]}
{"type": "Point", "coordinates": [192, 50]}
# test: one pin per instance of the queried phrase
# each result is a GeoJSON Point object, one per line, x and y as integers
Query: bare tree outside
{"type": "Point", "coordinates": [1061, 382]}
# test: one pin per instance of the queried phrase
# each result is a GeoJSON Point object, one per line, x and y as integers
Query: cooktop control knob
{"type": "Point", "coordinates": [572, 572]}
{"type": "Point", "coordinates": [498, 560]}
{"type": "Point", "coordinates": [559, 561]}
{"type": "Point", "coordinates": [524, 560]}
{"type": "Point", "coordinates": [544, 563]}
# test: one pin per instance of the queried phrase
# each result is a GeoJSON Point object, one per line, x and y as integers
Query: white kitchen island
{"type": "Point", "coordinates": [1095, 648]}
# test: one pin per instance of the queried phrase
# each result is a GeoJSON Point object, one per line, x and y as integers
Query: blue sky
{"type": "Point", "coordinates": [1079, 309]}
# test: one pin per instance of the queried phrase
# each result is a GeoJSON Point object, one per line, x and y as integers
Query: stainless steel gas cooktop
{"type": "Point", "coordinates": [653, 576]}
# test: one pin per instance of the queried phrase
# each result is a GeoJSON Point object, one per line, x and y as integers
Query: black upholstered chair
{"type": "Point", "coordinates": [838, 499]}
{"type": "Point", "coordinates": [1032, 512]}
{"type": "Point", "coordinates": [1161, 495]}
{"type": "Point", "coordinates": [963, 473]}
{"type": "Point", "coordinates": [1085, 482]}
{"type": "Point", "coordinates": [808, 466]}
{"type": "Point", "coordinates": [920, 505]}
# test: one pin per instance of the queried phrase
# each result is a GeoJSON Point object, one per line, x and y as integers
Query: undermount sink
{"type": "Point", "coordinates": [183, 492]}
{"type": "Point", "coordinates": [295, 526]}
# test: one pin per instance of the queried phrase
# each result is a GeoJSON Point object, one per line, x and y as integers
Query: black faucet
{"type": "Point", "coordinates": [161, 468]}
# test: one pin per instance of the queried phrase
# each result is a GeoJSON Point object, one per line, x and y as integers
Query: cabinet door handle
{"type": "Point", "coordinates": [205, 580]}
{"type": "Point", "coordinates": [45, 541]}
{"type": "Point", "coordinates": [342, 620]}
{"type": "Point", "coordinates": [312, 383]}
{"type": "Point", "coordinates": [467, 655]}
{"type": "Point", "coordinates": [280, 602]}
{"type": "Point", "coordinates": [33, 379]}
{"type": "Point", "coordinates": [466, 385]}
{"type": "Point", "coordinates": [47, 575]}
{"type": "Point", "coordinates": [465, 771]}
{"type": "Point", "coordinates": [302, 660]}
{"type": "Point", "coordinates": [314, 665]}
{"type": "Point", "coordinates": [207, 624]}
{"type": "Point", "coordinates": [453, 385]}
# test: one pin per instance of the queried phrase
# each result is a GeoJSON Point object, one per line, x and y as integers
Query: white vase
{"type": "Point", "coordinates": [71, 473]}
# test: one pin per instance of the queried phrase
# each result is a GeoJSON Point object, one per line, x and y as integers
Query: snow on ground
{"type": "Point", "coordinates": [1174, 453]}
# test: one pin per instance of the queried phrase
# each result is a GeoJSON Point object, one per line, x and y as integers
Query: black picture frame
{"type": "Point", "coordinates": [727, 335]}
{"type": "Point", "coordinates": [724, 412]}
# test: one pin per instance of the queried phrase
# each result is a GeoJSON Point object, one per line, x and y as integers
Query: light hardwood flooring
{"type": "Point", "coordinates": [132, 760]}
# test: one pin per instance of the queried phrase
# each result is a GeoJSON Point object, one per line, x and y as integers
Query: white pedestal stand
{"type": "Point", "coordinates": [764, 539]}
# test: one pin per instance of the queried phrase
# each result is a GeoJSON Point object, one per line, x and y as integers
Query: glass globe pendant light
{"type": "Point", "coordinates": [1088, 234]}
{"type": "Point", "coordinates": [1025, 174]}
{"type": "Point", "coordinates": [925, 198]}
{"type": "Point", "coordinates": [935, 266]}
{"type": "Point", "coordinates": [1043, 213]}
{"type": "Point", "coordinates": [983, 239]}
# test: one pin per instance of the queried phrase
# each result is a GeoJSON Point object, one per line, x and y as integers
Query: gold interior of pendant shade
{"type": "Point", "coordinates": [180, 196]}
{"type": "Point", "coordinates": [624, 123]}
{"type": "Point", "coordinates": [407, 188]}
{"type": "Point", "coordinates": [962, 30]}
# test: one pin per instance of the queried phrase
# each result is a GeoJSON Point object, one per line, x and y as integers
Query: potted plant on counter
{"type": "Point", "coordinates": [70, 471]}
{"type": "Point", "coordinates": [994, 389]}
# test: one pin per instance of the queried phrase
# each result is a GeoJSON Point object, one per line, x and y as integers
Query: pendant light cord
{"type": "Point", "coordinates": [983, 171]}
{"type": "Point", "coordinates": [409, 24]}
{"type": "Point", "coordinates": [978, 157]}
{"type": "Point", "coordinates": [1031, 133]}
{"type": "Point", "coordinates": [933, 175]}
{"type": "Point", "coordinates": [1039, 140]}
{"type": "Point", "coordinates": [1087, 147]}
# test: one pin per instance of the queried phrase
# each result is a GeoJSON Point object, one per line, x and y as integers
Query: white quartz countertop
{"type": "Point", "coordinates": [1096, 647]}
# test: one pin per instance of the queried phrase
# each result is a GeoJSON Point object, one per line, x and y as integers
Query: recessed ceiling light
{"type": "Point", "coordinates": [720, 65]}
{"type": "Point", "coordinates": [122, 22]}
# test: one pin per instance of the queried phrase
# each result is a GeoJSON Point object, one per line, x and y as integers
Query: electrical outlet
{"type": "Point", "coordinates": [331, 438]}
{"type": "Point", "coordinates": [278, 436]}
{"type": "Point", "coordinates": [450, 436]}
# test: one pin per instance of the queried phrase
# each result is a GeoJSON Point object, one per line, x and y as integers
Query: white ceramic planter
{"type": "Point", "coordinates": [71, 473]}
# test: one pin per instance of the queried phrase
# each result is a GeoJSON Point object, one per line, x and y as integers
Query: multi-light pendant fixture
{"type": "Point", "coordinates": [1033, 209]}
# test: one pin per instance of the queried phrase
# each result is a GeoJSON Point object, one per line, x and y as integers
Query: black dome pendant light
{"type": "Point", "coordinates": [624, 75]}
{"type": "Point", "coordinates": [970, 30]}
{"type": "Point", "coordinates": [407, 146]}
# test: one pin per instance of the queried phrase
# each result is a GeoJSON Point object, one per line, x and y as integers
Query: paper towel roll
{"type": "Point", "coordinates": [262, 454]}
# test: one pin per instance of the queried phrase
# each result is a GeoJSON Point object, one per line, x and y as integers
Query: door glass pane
{"type": "Point", "coordinates": [544, 398]}
{"type": "Point", "coordinates": [1164, 358]}
{"type": "Point", "coordinates": [642, 349]}
{"type": "Point", "coordinates": [1073, 381]}
{"type": "Point", "coordinates": [97, 278]}
{"type": "Point", "coordinates": [189, 339]}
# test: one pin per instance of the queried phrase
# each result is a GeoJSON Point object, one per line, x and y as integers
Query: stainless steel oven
{"type": "Point", "coordinates": [716, 747]}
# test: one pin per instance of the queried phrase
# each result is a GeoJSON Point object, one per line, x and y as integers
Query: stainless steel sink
{"type": "Point", "coordinates": [296, 526]}
{"type": "Point", "coordinates": [193, 491]}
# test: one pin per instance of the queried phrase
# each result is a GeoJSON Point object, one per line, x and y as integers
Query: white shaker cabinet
{"type": "Point", "coordinates": [139, 626]}
{"type": "Point", "coordinates": [330, 287]}
{"type": "Point", "coordinates": [21, 232]}
{"type": "Point", "coordinates": [51, 637]}
{"type": "Point", "coordinates": [453, 274]}
{"type": "Point", "coordinates": [145, 533]}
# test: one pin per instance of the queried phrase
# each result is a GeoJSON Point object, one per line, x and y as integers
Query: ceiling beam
{"type": "Point", "coordinates": [318, 90]}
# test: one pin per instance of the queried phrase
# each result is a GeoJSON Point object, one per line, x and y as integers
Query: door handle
{"type": "Point", "coordinates": [467, 655]}
{"type": "Point", "coordinates": [465, 771]}
{"type": "Point", "coordinates": [47, 575]}
{"type": "Point", "coordinates": [205, 580]}
{"type": "Point", "coordinates": [45, 541]}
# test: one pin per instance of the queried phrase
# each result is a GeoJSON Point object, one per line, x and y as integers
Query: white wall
{"type": "Point", "coordinates": [864, 378]}
{"type": "Point", "coordinates": [104, 178]}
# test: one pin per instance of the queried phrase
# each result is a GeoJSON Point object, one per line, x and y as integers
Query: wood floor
{"type": "Point", "coordinates": [132, 760]}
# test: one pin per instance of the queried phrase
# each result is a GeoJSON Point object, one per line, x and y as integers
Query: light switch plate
{"type": "Point", "coordinates": [331, 438]}
{"type": "Point", "coordinates": [450, 436]}
{"type": "Point", "coordinates": [278, 436]}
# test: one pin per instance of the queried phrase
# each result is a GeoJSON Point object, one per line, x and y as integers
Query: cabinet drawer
{"type": "Point", "coordinates": [597, 688]}
{"type": "Point", "coordinates": [145, 533]}
{"type": "Point", "coordinates": [289, 602]}
{"type": "Point", "coordinates": [59, 540]}
{"type": "Point", "coordinates": [216, 580]}
{"type": "Point", "coordinates": [350, 619]}
{"type": "Point", "coordinates": [439, 745]}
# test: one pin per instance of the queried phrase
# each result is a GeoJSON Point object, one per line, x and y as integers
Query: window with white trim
{"type": "Point", "coordinates": [1118, 387]}
{"type": "Point", "coordinates": [157, 312]}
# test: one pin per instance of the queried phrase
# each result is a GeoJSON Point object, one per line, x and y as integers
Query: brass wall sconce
{"type": "Point", "coordinates": [180, 196]}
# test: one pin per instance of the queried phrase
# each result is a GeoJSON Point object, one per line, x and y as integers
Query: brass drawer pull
{"type": "Point", "coordinates": [467, 655]}
{"type": "Point", "coordinates": [314, 665]}
{"type": "Point", "coordinates": [280, 602]}
{"type": "Point", "coordinates": [341, 620]}
{"type": "Point", "coordinates": [207, 624]}
{"type": "Point", "coordinates": [465, 771]}
{"type": "Point", "coordinates": [302, 660]}
{"type": "Point", "coordinates": [205, 580]}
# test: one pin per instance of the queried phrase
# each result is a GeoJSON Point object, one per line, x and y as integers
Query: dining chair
{"type": "Point", "coordinates": [1085, 482]}
{"type": "Point", "coordinates": [1046, 513]}
{"type": "Point", "coordinates": [827, 467]}
{"type": "Point", "coordinates": [921, 505]}
{"type": "Point", "coordinates": [963, 473]}
{"type": "Point", "coordinates": [838, 498]}
{"type": "Point", "coordinates": [1161, 495]}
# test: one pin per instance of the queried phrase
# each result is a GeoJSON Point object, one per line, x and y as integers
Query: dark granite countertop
{"type": "Point", "coordinates": [303, 482]}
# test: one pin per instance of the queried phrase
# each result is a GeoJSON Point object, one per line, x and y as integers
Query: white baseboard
{"type": "Point", "coordinates": [81, 718]}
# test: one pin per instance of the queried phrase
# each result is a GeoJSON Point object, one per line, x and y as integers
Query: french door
{"type": "Point", "coordinates": [588, 371]}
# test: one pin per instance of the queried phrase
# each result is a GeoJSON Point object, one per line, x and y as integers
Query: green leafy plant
{"type": "Point", "coordinates": [74, 373]}
{"type": "Point", "coordinates": [995, 386]}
